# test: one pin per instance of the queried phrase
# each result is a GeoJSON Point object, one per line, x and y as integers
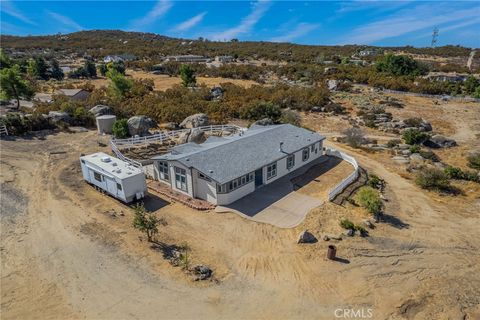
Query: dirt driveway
{"type": "Point", "coordinates": [286, 202]}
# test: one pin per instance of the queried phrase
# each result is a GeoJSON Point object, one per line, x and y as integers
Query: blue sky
{"type": "Point", "coordinates": [385, 23]}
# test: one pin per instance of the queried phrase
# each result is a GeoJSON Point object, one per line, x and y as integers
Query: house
{"type": "Point", "coordinates": [188, 58]}
{"type": "Point", "coordinates": [368, 52]}
{"type": "Point", "coordinates": [225, 169]}
{"type": "Point", "coordinates": [224, 59]}
{"type": "Point", "coordinates": [446, 76]}
{"type": "Point", "coordinates": [109, 59]}
{"type": "Point", "coordinates": [74, 94]}
{"type": "Point", "coordinates": [116, 177]}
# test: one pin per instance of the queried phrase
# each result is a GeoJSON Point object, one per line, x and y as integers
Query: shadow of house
{"type": "Point", "coordinates": [265, 196]}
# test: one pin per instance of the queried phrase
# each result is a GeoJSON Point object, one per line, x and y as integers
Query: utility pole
{"type": "Point", "coordinates": [434, 37]}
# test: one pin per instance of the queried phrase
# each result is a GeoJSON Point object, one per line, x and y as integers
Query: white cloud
{"type": "Point", "coordinates": [258, 11]}
{"type": "Point", "coordinates": [158, 11]}
{"type": "Point", "coordinates": [407, 21]}
{"type": "Point", "coordinates": [65, 21]}
{"type": "Point", "coordinates": [190, 23]}
{"type": "Point", "coordinates": [300, 30]}
{"type": "Point", "coordinates": [8, 8]}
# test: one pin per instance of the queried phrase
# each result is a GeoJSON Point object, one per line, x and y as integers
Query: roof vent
{"type": "Point", "coordinates": [114, 164]}
{"type": "Point", "coordinates": [106, 159]}
{"type": "Point", "coordinates": [119, 171]}
{"type": "Point", "coordinates": [281, 146]}
{"type": "Point", "coordinates": [211, 171]}
{"type": "Point", "coordinates": [187, 159]}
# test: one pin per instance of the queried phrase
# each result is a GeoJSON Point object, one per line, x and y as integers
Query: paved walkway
{"type": "Point", "coordinates": [278, 203]}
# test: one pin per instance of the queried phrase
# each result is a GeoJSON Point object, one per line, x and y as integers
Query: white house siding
{"type": "Point", "coordinates": [226, 198]}
{"type": "Point", "coordinates": [282, 163]}
{"type": "Point", "coordinates": [172, 165]}
{"type": "Point", "coordinates": [206, 190]}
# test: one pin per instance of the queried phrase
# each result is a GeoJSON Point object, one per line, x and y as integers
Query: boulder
{"type": "Point", "coordinates": [139, 125]}
{"type": "Point", "coordinates": [306, 237]}
{"type": "Point", "coordinates": [349, 232]}
{"type": "Point", "coordinates": [194, 121]}
{"type": "Point", "coordinates": [216, 93]}
{"type": "Point", "coordinates": [439, 141]}
{"type": "Point", "coordinates": [332, 85]}
{"type": "Point", "coordinates": [197, 136]}
{"type": "Point", "coordinates": [368, 224]}
{"type": "Point", "coordinates": [59, 116]}
{"type": "Point", "coordinates": [101, 110]}
{"type": "Point", "coordinates": [183, 137]}
{"type": "Point", "coordinates": [401, 160]}
{"type": "Point", "coordinates": [202, 272]}
{"type": "Point", "coordinates": [263, 122]}
{"type": "Point", "coordinates": [416, 157]}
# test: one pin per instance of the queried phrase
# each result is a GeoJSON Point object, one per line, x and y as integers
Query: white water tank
{"type": "Point", "coordinates": [105, 123]}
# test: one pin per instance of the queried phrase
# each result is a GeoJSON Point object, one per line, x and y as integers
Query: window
{"type": "Point", "coordinates": [305, 154]}
{"type": "Point", "coordinates": [312, 147]}
{"type": "Point", "coordinates": [271, 170]}
{"type": "Point", "coordinates": [290, 161]}
{"type": "Point", "coordinates": [119, 186]}
{"type": "Point", "coordinates": [83, 161]}
{"type": "Point", "coordinates": [181, 179]}
{"type": "Point", "coordinates": [97, 176]}
{"type": "Point", "coordinates": [163, 169]}
{"type": "Point", "coordinates": [203, 177]}
{"type": "Point", "coordinates": [235, 183]}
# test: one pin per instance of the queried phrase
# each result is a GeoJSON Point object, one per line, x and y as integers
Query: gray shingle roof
{"type": "Point", "coordinates": [226, 159]}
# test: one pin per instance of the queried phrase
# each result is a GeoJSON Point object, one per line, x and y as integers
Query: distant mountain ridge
{"type": "Point", "coordinates": [99, 43]}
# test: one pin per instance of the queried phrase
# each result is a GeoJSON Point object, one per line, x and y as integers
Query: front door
{"type": "Point", "coordinates": [258, 177]}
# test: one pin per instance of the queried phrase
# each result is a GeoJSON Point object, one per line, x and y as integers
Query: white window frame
{"type": "Point", "coordinates": [305, 154]}
{"type": "Point", "coordinates": [181, 179]}
{"type": "Point", "coordinates": [271, 170]}
{"type": "Point", "coordinates": [290, 161]}
{"type": "Point", "coordinates": [164, 170]}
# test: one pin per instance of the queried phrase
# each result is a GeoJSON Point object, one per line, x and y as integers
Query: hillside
{"type": "Point", "coordinates": [98, 43]}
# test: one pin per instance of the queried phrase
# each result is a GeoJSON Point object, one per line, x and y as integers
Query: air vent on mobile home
{"type": "Point", "coordinates": [106, 159]}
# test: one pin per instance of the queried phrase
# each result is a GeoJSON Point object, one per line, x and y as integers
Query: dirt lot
{"type": "Point", "coordinates": [68, 251]}
{"type": "Point", "coordinates": [164, 82]}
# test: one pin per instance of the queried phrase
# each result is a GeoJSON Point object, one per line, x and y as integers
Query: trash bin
{"type": "Point", "coordinates": [331, 252]}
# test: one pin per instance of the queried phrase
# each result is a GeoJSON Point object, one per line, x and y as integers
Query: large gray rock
{"type": "Point", "coordinates": [306, 237]}
{"type": "Point", "coordinates": [101, 110]}
{"type": "Point", "coordinates": [263, 122]}
{"type": "Point", "coordinates": [139, 125]}
{"type": "Point", "coordinates": [202, 272]}
{"type": "Point", "coordinates": [332, 85]}
{"type": "Point", "coordinates": [216, 93]}
{"type": "Point", "coordinates": [59, 116]}
{"type": "Point", "coordinates": [194, 121]}
{"type": "Point", "coordinates": [416, 157]}
{"type": "Point", "coordinates": [197, 136]}
{"type": "Point", "coordinates": [439, 141]}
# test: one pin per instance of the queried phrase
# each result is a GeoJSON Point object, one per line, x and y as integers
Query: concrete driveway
{"type": "Point", "coordinates": [278, 203]}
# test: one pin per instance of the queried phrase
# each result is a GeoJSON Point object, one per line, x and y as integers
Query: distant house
{"type": "Point", "coordinates": [224, 59]}
{"type": "Point", "coordinates": [188, 58]}
{"type": "Point", "coordinates": [368, 52]}
{"type": "Point", "coordinates": [109, 59]}
{"type": "Point", "coordinates": [447, 76]}
{"type": "Point", "coordinates": [225, 169]}
{"type": "Point", "coordinates": [74, 94]}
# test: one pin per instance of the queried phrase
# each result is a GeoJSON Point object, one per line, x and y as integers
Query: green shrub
{"type": "Point", "coordinates": [120, 129]}
{"type": "Point", "coordinates": [363, 232]}
{"type": "Point", "coordinates": [414, 136]}
{"type": "Point", "coordinates": [415, 148]}
{"type": "Point", "coordinates": [17, 124]}
{"type": "Point", "coordinates": [373, 181]}
{"type": "Point", "coordinates": [474, 160]}
{"type": "Point", "coordinates": [432, 179]}
{"type": "Point", "coordinates": [347, 224]}
{"type": "Point", "coordinates": [369, 198]}
{"type": "Point", "coordinates": [453, 172]}
{"type": "Point", "coordinates": [290, 116]}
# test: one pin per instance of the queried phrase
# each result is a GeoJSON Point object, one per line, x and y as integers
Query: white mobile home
{"type": "Point", "coordinates": [223, 170]}
{"type": "Point", "coordinates": [118, 178]}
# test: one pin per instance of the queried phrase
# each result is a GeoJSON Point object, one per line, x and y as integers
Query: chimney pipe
{"type": "Point", "coordinates": [281, 146]}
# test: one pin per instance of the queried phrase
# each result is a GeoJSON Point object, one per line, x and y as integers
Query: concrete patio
{"type": "Point", "coordinates": [284, 202]}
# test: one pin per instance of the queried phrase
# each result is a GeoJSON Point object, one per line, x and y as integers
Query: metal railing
{"type": "Point", "coordinates": [164, 137]}
{"type": "Point", "coordinates": [3, 130]}
{"type": "Point", "coordinates": [348, 180]}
